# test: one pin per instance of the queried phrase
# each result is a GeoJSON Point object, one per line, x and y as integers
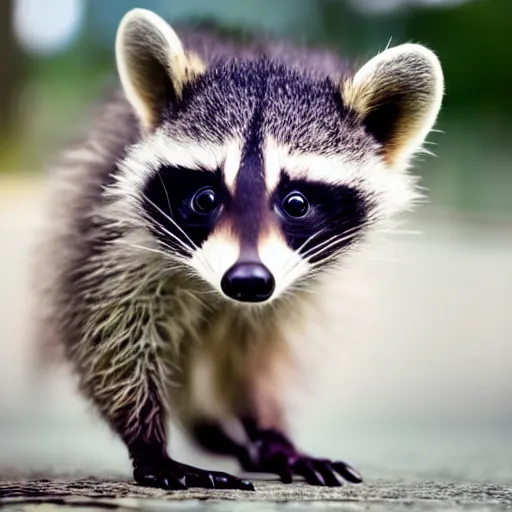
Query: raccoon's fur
{"type": "Point", "coordinates": [216, 188]}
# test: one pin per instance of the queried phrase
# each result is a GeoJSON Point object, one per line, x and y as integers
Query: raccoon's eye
{"type": "Point", "coordinates": [295, 204]}
{"type": "Point", "coordinates": [205, 201]}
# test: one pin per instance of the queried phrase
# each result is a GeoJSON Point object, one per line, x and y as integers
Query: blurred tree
{"type": "Point", "coordinates": [11, 71]}
{"type": "Point", "coordinates": [472, 38]}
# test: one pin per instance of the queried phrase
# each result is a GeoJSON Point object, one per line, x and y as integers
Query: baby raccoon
{"type": "Point", "coordinates": [215, 189]}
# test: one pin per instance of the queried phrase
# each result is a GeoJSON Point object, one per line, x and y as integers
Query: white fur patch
{"type": "Point", "coordinates": [283, 262]}
{"type": "Point", "coordinates": [158, 150]}
{"type": "Point", "coordinates": [232, 164]}
{"type": "Point", "coordinates": [273, 155]}
{"type": "Point", "coordinates": [218, 253]}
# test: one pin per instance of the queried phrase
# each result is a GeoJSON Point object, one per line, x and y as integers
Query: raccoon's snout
{"type": "Point", "coordinates": [248, 282]}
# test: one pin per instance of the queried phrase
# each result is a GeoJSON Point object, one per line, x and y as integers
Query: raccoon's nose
{"type": "Point", "coordinates": [248, 282]}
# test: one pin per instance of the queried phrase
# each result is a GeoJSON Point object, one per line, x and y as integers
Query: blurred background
{"type": "Point", "coordinates": [422, 384]}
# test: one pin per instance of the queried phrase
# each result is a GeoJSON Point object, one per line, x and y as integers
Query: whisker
{"type": "Point", "coordinates": [290, 260]}
{"type": "Point", "coordinates": [326, 260]}
{"type": "Point", "coordinates": [335, 242]}
{"type": "Point", "coordinates": [174, 223]}
{"type": "Point", "coordinates": [324, 246]}
{"type": "Point", "coordinates": [171, 220]}
{"type": "Point", "coordinates": [287, 270]}
{"type": "Point", "coordinates": [166, 194]}
{"type": "Point", "coordinates": [319, 246]}
{"type": "Point", "coordinates": [182, 244]}
{"type": "Point", "coordinates": [309, 240]}
{"type": "Point", "coordinates": [344, 234]}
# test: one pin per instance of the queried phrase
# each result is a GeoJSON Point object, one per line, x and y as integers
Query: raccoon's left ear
{"type": "Point", "coordinates": [152, 64]}
{"type": "Point", "coordinates": [397, 95]}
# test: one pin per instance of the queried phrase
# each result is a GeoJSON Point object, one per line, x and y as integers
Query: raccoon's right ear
{"type": "Point", "coordinates": [152, 64]}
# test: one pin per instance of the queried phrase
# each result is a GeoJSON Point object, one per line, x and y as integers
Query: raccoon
{"type": "Point", "coordinates": [217, 186]}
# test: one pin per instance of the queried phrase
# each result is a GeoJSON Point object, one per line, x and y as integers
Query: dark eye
{"type": "Point", "coordinates": [295, 204]}
{"type": "Point", "coordinates": [205, 201]}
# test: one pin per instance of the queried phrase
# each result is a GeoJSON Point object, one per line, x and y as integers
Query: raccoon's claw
{"type": "Point", "coordinates": [277, 455]}
{"type": "Point", "coordinates": [315, 471]}
{"type": "Point", "coordinates": [325, 472]}
{"type": "Point", "coordinates": [172, 475]}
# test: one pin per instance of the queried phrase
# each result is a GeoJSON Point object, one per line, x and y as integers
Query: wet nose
{"type": "Point", "coordinates": [248, 282]}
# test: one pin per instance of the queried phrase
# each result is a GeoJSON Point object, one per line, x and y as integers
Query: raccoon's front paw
{"type": "Point", "coordinates": [166, 473]}
{"type": "Point", "coordinates": [275, 454]}
{"type": "Point", "coordinates": [324, 471]}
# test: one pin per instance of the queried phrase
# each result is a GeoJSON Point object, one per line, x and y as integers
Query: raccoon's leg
{"type": "Point", "coordinates": [275, 453]}
{"type": "Point", "coordinates": [265, 447]}
{"type": "Point", "coordinates": [270, 451]}
{"type": "Point", "coordinates": [127, 381]}
{"type": "Point", "coordinates": [210, 435]}
{"type": "Point", "coordinates": [154, 468]}
{"type": "Point", "coordinates": [268, 374]}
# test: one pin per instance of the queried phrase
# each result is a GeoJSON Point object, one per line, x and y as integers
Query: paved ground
{"type": "Point", "coordinates": [376, 497]}
{"type": "Point", "coordinates": [420, 400]}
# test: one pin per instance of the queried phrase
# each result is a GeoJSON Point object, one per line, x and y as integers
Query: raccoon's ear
{"type": "Point", "coordinates": [397, 95]}
{"type": "Point", "coordinates": [152, 64]}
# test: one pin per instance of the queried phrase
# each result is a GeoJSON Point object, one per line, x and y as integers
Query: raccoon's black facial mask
{"type": "Point", "coordinates": [318, 219]}
{"type": "Point", "coordinates": [183, 205]}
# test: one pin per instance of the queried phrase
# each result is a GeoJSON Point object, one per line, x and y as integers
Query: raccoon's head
{"type": "Point", "coordinates": [257, 174]}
